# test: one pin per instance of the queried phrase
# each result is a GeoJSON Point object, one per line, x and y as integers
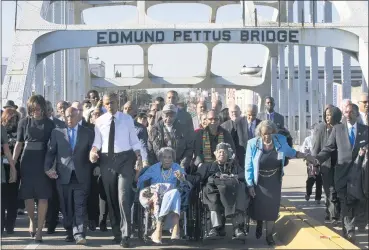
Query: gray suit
{"type": "Point", "coordinates": [74, 175]}
{"type": "Point", "coordinates": [278, 119]}
{"type": "Point", "coordinates": [339, 140]}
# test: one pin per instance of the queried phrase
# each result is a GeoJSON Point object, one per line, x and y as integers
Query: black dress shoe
{"type": "Point", "coordinates": [69, 238]}
{"type": "Point", "coordinates": [92, 225]}
{"type": "Point", "coordinates": [270, 241]}
{"type": "Point", "coordinates": [103, 227]}
{"type": "Point", "coordinates": [125, 242]}
{"type": "Point", "coordinates": [213, 233]}
{"type": "Point", "coordinates": [50, 230]}
{"type": "Point", "coordinates": [351, 237]}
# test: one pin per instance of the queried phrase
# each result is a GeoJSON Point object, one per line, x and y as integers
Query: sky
{"type": "Point", "coordinates": [173, 60]}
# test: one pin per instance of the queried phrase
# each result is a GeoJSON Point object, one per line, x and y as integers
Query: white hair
{"type": "Point", "coordinates": [268, 124]}
{"type": "Point", "coordinates": [166, 150]}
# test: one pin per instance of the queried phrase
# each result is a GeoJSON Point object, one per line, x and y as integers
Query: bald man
{"type": "Point", "coordinates": [201, 109]}
{"type": "Point", "coordinates": [237, 127]}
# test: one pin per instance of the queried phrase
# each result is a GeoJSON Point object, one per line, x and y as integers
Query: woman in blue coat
{"type": "Point", "coordinates": [264, 162]}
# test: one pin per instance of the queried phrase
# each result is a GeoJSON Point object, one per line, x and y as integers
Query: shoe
{"type": "Point", "coordinates": [222, 231]}
{"type": "Point", "coordinates": [32, 234]}
{"type": "Point", "coordinates": [307, 197]}
{"type": "Point", "coordinates": [103, 227]}
{"type": "Point", "coordinates": [20, 212]}
{"type": "Point", "coordinates": [239, 233]}
{"type": "Point", "coordinates": [80, 240]}
{"type": "Point", "coordinates": [317, 202]}
{"type": "Point", "coordinates": [327, 219]}
{"type": "Point", "coordinates": [69, 238]}
{"type": "Point", "coordinates": [351, 237]}
{"type": "Point", "coordinates": [270, 241]}
{"type": "Point", "coordinates": [125, 242]}
{"type": "Point", "coordinates": [213, 233]}
{"type": "Point", "coordinates": [92, 225]}
{"type": "Point", "coordinates": [50, 230]}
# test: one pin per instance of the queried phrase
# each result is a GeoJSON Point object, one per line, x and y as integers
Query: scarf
{"type": "Point", "coordinates": [206, 147]}
{"type": "Point", "coordinates": [169, 138]}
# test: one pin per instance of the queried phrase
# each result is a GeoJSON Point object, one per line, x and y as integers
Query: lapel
{"type": "Point", "coordinates": [240, 131]}
{"type": "Point", "coordinates": [79, 135]}
{"type": "Point", "coordinates": [66, 137]}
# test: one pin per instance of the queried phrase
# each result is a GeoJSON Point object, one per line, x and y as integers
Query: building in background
{"type": "Point", "coordinates": [4, 65]}
{"type": "Point", "coordinates": [98, 69]}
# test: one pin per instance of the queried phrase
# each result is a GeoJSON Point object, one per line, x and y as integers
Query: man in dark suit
{"type": "Point", "coordinates": [183, 116]}
{"type": "Point", "coordinates": [347, 139]}
{"type": "Point", "coordinates": [93, 197]}
{"type": "Point", "coordinates": [70, 147]}
{"type": "Point", "coordinates": [237, 127]}
{"type": "Point", "coordinates": [331, 116]}
{"type": "Point", "coordinates": [270, 114]}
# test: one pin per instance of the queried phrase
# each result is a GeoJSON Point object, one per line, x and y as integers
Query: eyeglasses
{"type": "Point", "coordinates": [213, 119]}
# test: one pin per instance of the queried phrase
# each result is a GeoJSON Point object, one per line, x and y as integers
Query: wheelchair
{"type": "Point", "coordinates": [145, 221]}
{"type": "Point", "coordinates": [203, 226]}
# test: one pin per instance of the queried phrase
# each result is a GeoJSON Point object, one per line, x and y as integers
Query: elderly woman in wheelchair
{"type": "Point", "coordinates": [161, 186]}
{"type": "Point", "coordinates": [224, 192]}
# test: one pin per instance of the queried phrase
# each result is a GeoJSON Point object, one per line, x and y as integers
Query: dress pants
{"type": "Point", "coordinates": [73, 202]}
{"type": "Point", "coordinates": [118, 190]}
{"type": "Point", "coordinates": [332, 203]}
{"type": "Point", "coordinates": [103, 204]}
{"type": "Point", "coordinates": [318, 186]}
{"type": "Point", "coordinates": [350, 210]}
{"type": "Point", "coordinates": [52, 216]}
{"type": "Point", "coordinates": [9, 202]}
{"type": "Point", "coordinates": [93, 200]}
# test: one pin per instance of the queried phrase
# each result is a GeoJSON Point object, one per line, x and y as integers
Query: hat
{"type": "Point", "coordinates": [169, 108]}
{"type": "Point", "coordinates": [10, 104]}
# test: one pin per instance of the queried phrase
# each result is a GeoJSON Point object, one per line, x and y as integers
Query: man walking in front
{"type": "Point", "coordinates": [70, 147]}
{"type": "Point", "coordinates": [117, 145]}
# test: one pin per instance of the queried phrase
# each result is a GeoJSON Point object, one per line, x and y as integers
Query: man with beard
{"type": "Point", "coordinates": [331, 116]}
{"type": "Point", "coordinates": [207, 139]}
{"type": "Point", "coordinates": [270, 114]}
{"type": "Point", "coordinates": [237, 127]}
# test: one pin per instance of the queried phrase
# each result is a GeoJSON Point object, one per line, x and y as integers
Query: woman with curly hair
{"type": "Point", "coordinates": [33, 136]}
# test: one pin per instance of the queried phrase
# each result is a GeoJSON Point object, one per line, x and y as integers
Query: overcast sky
{"type": "Point", "coordinates": [172, 60]}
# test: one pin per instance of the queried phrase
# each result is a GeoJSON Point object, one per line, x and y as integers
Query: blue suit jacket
{"type": "Point", "coordinates": [254, 151]}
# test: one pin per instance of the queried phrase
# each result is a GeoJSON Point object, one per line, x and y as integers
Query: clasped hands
{"type": "Point", "coordinates": [52, 174]}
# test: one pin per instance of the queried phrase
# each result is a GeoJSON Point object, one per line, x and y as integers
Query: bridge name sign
{"type": "Point", "coordinates": [259, 36]}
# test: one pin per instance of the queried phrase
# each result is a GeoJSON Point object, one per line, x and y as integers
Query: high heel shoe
{"type": "Point", "coordinates": [38, 240]}
{"type": "Point", "coordinates": [32, 234]}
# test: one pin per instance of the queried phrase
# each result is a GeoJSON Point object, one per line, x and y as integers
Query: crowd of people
{"type": "Point", "coordinates": [90, 159]}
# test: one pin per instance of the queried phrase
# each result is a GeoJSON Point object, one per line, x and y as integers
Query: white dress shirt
{"type": "Point", "coordinates": [125, 133]}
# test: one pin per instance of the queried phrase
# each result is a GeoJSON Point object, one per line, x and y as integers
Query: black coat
{"type": "Point", "coordinates": [223, 194]}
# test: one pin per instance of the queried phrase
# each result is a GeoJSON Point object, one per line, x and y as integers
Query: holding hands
{"type": "Point", "coordinates": [52, 174]}
{"type": "Point", "coordinates": [94, 156]}
{"type": "Point", "coordinates": [179, 175]}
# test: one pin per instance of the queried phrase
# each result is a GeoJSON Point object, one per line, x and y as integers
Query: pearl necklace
{"type": "Point", "coordinates": [166, 175]}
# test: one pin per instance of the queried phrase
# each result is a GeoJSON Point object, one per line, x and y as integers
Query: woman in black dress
{"type": "Point", "coordinates": [34, 133]}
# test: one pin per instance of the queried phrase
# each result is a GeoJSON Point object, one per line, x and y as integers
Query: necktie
{"type": "Point", "coordinates": [111, 138]}
{"type": "Point", "coordinates": [352, 136]}
{"type": "Point", "coordinates": [250, 132]}
{"type": "Point", "coordinates": [72, 139]}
